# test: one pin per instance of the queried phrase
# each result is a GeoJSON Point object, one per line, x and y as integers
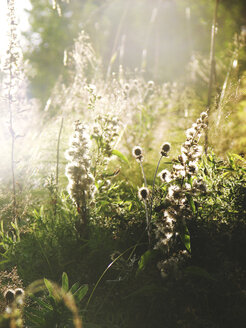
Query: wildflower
{"type": "Point", "coordinates": [143, 193]}
{"type": "Point", "coordinates": [197, 150]}
{"type": "Point", "coordinates": [204, 116]}
{"type": "Point", "coordinates": [9, 295]}
{"type": "Point", "coordinates": [199, 185]}
{"type": "Point", "coordinates": [179, 170]}
{"type": "Point", "coordinates": [150, 84]}
{"type": "Point", "coordinates": [182, 158]}
{"type": "Point", "coordinates": [126, 86]}
{"type": "Point", "coordinates": [187, 186]}
{"type": "Point", "coordinates": [184, 149]}
{"type": "Point", "coordinates": [138, 153]}
{"type": "Point", "coordinates": [190, 133]}
{"type": "Point", "coordinates": [81, 182]}
{"type": "Point", "coordinates": [174, 192]}
{"type": "Point", "coordinates": [19, 292]}
{"type": "Point", "coordinates": [165, 176]}
{"type": "Point", "coordinates": [192, 168]}
{"type": "Point", "coordinates": [165, 148]}
{"type": "Point", "coordinates": [195, 126]}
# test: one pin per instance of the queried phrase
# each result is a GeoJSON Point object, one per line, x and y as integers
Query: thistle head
{"type": "Point", "coordinates": [143, 193]}
{"type": "Point", "coordinates": [19, 292]}
{"type": "Point", "coordinates": [165, 176]}
{"type": "Point", "coordinates": [137, 152]}
{"type": "Point", "coordinates": [165, 148]}
{"type": "Point", "coordinates": [192, 168]}
{"type": "Point", "coordinates": [9, 295]}
{"type": "Point", "coordinates": [204, 116]}
{"type": "Point", "coordinates": [190, 133]}
{"type": "Point", "coordinates": [150, 84]}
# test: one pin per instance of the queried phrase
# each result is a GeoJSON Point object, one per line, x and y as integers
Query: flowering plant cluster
{"type": "Point", "coordinates": [182, 185]}
{"type": "Point", "coordinates": [88, 160]}
{"type": "Point", "coordinates": [78, 170]}
{"type": "Point", "coordinates": [105, 132]}
{"type": "Point", "coordinates": [144, 193]}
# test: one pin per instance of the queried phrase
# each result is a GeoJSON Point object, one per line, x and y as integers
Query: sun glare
{"type": "Point", "coordinates": [22, 21]}
{"type": "Point", "coordinates": [5, 135]}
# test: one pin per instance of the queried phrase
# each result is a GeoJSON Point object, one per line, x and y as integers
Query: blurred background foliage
{"type": "Point", "coordinates": [158, 38]}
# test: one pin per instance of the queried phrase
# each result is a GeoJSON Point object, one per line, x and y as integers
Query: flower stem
{"type": "Point", "coordinates": [153, 186]}
{"type": "Point", "coordinates": [143, 174]}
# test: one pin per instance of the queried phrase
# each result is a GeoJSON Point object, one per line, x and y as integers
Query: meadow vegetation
{"type": "Point", "coordinates": [126, 202]}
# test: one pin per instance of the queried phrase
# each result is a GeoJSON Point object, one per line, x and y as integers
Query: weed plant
{"type": "Point", "coordinates": [155, 239]}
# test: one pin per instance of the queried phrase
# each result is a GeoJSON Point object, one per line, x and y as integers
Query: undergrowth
{"type": "Point", "coordinates": [134, 225]}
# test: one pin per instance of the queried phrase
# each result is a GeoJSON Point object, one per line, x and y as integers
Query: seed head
{"type": "Point", "coordinates": [137, 152]}
{"type": "Point", "coordinates": [192, 168]}
{"type": "Point", "coordinates": [165, 176]}
{"type": "Point", "coordinates": [143, 193]}
{"type": "Point", "coordinates": [204, 116]}
{"type": "Point", "coordinates": [174, 192]}
{"type": "Point", "coordinates": [165, 148]}
{"type": "Point", "coordinates": [150, 84]}
{"type": "Point", "coordinates": [190, 133]}
{"type": "Point", "coordinates": [9, 295]}
{"type": "Point", "coordinates": [126, 86]}
{"type": "Point", "coordinates": [19, 292]}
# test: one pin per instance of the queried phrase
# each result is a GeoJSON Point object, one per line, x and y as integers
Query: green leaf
{"type": "Point", "coordinates": [238, 157]}
{"type": "Point", "coordinates": [144, 260]}
{"type": "Point", "coordinates": [226, 168]}
{"type": "Point", "coordinates": [4, 261]}
{"type": "Point", "coordinates": [185, 237]}
{"type": "Point", "coordinates": [52, 293]}
{"type": "Point", "coordinates": [74, 288]}
{"type": "Point", "coordinates": [35, 319]}
{"type": "Point", "coordinates": [120, 155]}
{"type": "Point", "coordinates": [113, 58]}
{"type": "Point", "coordinates": [65, 284]}
{"type": "Point", "coordinates": [42, 303]}
{"type": "Point", "coordinates": [80, 293]}
{"type": "Point", "coordinates": [192, 204]}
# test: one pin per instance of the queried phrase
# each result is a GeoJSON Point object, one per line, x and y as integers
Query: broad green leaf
{"type": "Point", "coordinates": [80, 293]}
{"type": "Point", "coordinates": [65, 284]}
{"type": "Point", "coordinates": [120, 155]}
